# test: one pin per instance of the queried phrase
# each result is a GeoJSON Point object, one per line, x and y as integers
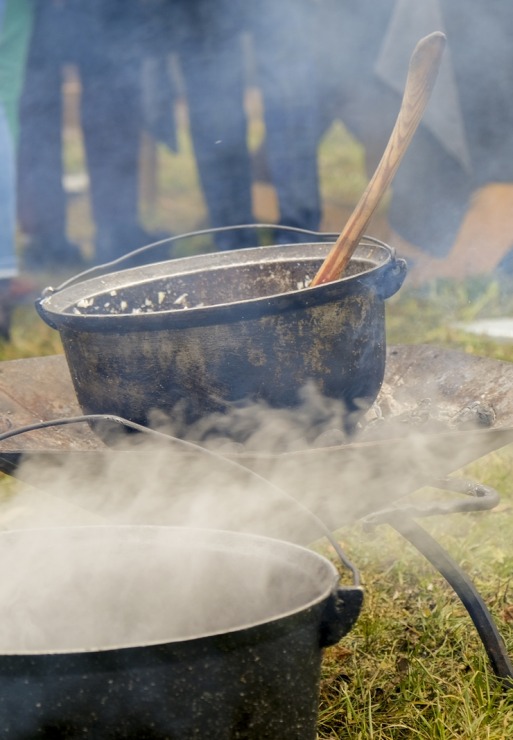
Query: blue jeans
{"type": "Point", "coordinates": [8, 261]}
{"type": "Point", "coordinates": [212, 62]}
{"type": "Point", "coordinates": [286, 71]}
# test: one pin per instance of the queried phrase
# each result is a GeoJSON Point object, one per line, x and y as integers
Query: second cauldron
{"type": "Point", "coordinates": [199, 334]}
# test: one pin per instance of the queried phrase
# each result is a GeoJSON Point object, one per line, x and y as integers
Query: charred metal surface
{"type": "Point", "coordinates": [452, 379]}
{"type": "Point", "coordinates": [40, 388]}
{"type": "Point", "coordinates": [340, 483]}
{"type": "Point", "coordinates": [37, 389]}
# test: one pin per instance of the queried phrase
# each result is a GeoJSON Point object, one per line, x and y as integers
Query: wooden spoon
{"type": "Point", "coordinates": [422, 74]}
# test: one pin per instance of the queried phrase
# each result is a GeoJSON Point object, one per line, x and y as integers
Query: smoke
{"type": "Point", "coordinates": [69, 589]}
{"type": "Point", "coordinates": [74, 589]}
{"type": "Point", "coordinates": [148, 574]}
{"type": "Point", "coordinates": [263, 470]}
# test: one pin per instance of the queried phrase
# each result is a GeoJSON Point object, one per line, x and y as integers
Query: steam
{"type": "Point", "coordinates": [91, 588]}
{"type": "Point", "coordinates": [68, 589]}
{"type": "Point", "coordinates": [314, 422]}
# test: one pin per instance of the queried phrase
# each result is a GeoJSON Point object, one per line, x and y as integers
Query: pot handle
{"type": "Point", "coordinates": [392, 277]}
{"type": "Point", "coordinates": [340, 614]}
{"type": "Point", "coordinates": [106, 267]}
{"type": "Point", "coordinates": [41, 310]}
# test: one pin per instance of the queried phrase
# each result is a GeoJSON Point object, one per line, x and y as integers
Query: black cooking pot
{"type": "Point", "coordinates": [201, 333]}
{"type": "Point", "coordinates": [156, 632]}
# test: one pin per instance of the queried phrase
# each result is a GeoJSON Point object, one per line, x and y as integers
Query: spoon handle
{"type": "Point", "coordinates": [422, 74]}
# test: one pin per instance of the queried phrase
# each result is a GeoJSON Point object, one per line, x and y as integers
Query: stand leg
{"type": "Point", "coordinates": [464, 588]}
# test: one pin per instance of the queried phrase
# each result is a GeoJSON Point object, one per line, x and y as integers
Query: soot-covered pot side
{"type": "Point", "coordinates": [133, 646]}
{"type": "Point", "coordinates": [207, 357]}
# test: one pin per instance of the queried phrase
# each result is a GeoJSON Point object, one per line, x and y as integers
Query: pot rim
{"type": "Point", "coordinates": [56, 307]}
{"type": "Point", "coordinates": [160, 535]}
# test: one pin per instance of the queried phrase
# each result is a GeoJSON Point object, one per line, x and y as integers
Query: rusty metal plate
{"type": "Point", "coordinates": [37, 389]}
{"type": "Point", "coordinates": [450, 378]}
{"type": "Point", "coordinates": [40, 388]}
{"type": "Point", "coordinates": [339, 484]}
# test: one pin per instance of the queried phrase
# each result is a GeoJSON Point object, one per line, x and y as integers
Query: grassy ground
{"type": "Point", "coordinates": [413, 666]}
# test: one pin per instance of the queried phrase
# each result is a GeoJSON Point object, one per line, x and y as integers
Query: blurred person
{"type": "Point", "coordinates": [104, 40]}
{"type": "Point", "coordinates": [42, 200]}
{"type": "Point", "coordinates": [451, 205]}
{"type": "Point", "coordinates": [453, 197]}
{"type": "Point", "coordinates": [209, 40]}
{"type": "Point", "coordinates": [15, 23]}
{"type": "Point", "coordinates": [287, 74]}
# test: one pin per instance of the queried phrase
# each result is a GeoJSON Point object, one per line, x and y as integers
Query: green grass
{"type": "Point", "coordinates": [428, 315]}
{"type": "Point", "coordinates": [413, 667]}
{"type": "Point", "coordinates": [340, 153]}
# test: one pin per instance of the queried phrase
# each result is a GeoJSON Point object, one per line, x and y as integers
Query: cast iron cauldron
{"type": "Point", "coordinates": [202, 333]}
{"type": "Point", "coordinates": [157, 632]}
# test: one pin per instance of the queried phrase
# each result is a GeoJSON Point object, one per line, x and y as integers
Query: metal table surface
{"type": "Point", "coordinates": [356, 479]}
{"type": "Point", "coordinates": [41, 388]}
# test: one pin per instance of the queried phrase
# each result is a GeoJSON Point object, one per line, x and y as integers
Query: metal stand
{"type": "Point", "coordinates": [401, 519]}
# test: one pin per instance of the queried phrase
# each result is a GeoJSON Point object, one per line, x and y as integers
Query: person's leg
{"type": "Point", "coordinates": [479, 36]}
{"type": "Point", "coordinates": [108, 53]}
{"type": "Point", "coordinates": [287, 75]}
{"type": "Point", "coordinates": [430, 196]}
{"type": "Point", "coordinates": [214, 79]}
{"type": "Point", "coordinates": [8, 261]}
{"type": "Point", "coordinates": [41, 203]}
{"type": "Point", "coordinates": [15, 23]}
{"type": "Point", "coordinates": [464, 217]}
{"type": "Point", "coordinates": [110, 121]}
{"type": "Point", "coordinates": [13, 289]}
{"type": "Point", "coordinates": [41, 199]}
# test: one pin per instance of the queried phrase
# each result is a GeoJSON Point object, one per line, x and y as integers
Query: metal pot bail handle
{"type": "Point", "coordinates": [344, 604]}
{"type": "Point", "coordinates": [392, 277]}
{"type": "Point", "coordinates": [89, 418]}
{"type": "Point", "coordinates": [340, 614]}
{"type": "Point", "coordinates": [118, 263]}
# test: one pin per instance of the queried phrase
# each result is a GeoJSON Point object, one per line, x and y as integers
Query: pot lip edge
{"type": "Point", "coordinates": [315, 601]}
{"type": "Point", "coordinates": [207, 315]}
